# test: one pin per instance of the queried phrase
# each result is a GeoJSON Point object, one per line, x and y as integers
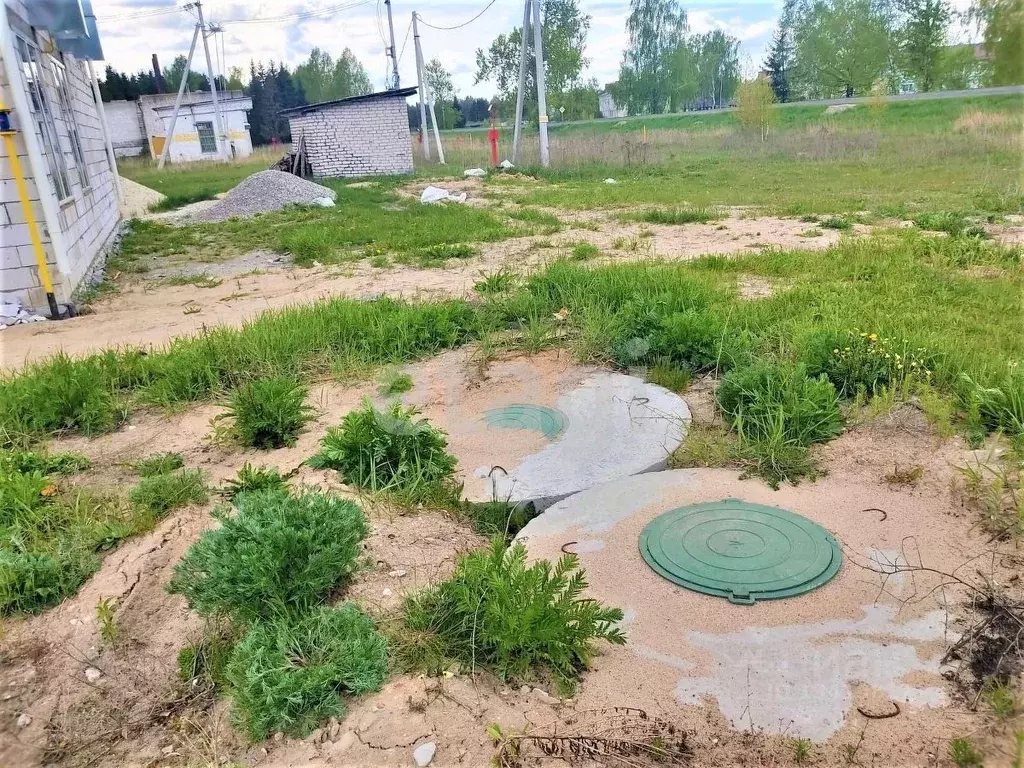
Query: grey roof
{"type": "Point", "coordinates": [403, 92]}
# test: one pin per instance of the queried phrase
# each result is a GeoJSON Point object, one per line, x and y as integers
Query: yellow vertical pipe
{"type": "Point", "coordinates": [30, 219]}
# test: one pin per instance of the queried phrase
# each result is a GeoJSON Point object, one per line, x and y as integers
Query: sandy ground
{"type": "Point", "coordinates": [137, 198]}
{"type": "Point", "coordinates": [137, 714]}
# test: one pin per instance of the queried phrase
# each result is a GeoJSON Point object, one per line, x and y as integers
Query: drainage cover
{"type": "Point", "coordinates": [741, 551]}
{"type": "Point", "coordinates": [549, 421]}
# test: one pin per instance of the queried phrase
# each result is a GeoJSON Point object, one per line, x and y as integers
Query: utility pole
{"type": "Point", "coordinates": [521, 94]}
{"type": "Point", "coordinates": [424, 135]}
{"type": "Point", "coordinates": [177, 101]}
{"type": "Point", "coordinates": [222, 149]}
{"type": "Point", "coordinates": [542, 99]}
{"type": "Point", "coordinates": [161, 86]}
{"type": "Point", "coordinates": [394, 53]}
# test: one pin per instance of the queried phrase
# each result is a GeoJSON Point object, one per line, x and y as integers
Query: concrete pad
{"type": "Point", "coordinates": [798, 666]}
{"type": "Point", "coordinates": [573, 426]}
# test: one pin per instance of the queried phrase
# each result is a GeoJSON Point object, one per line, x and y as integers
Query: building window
{"type": "Point", "coordinates": [60, 77]}
{"type": "Point", "coordinates": [42, 115]}
{"type": "Point", "coordinates": [207, 138]}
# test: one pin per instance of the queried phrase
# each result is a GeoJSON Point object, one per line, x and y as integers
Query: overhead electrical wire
{"type": "Point", "coordinates": [406, 40]}
{"type": "Point", "coordinates": [138, 15]}
{"type": "Point", "coordinates": [300, 16]}
{"type": "Point", "coordinates": [457, 26]}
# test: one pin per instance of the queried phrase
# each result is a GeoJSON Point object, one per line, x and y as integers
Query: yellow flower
{"type": "Point", "coordinates": [873, 337]}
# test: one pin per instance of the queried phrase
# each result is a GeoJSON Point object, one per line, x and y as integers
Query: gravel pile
{"type": "Point", "coordinates": [260, 193]}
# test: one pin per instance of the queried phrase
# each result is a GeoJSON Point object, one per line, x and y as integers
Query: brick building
{"type": "Point", "coordinates": [64, 157]}
{"type": "Point", "coordinates": [358, 136]}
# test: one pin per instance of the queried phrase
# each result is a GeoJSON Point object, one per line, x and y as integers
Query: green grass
{"type": "Point", "coordinates": [280, 555]}
{"type": "Point", "coordinates": [195, 181]}
{"type": "Point", "coordinates": [269, 413]}
{"type": "Point", "coordinates": [394, 382]}
{"type": "Point", "coordinates": [501, 281]}
{"type": "Point", "coordinates": [158, 464]}
{"type": "Point", "coordinates": [291, 674]}
{"type": "Point", "coordinates": [518, 620]}
{"type": "Point", "coordinates": [964, 754]}
{"type": "Point", "coordinates": [390, 451]}
{"type": "Point", "coordinates": [250, 478]}
{"type": "Point", "coordinates": [674, 215]}
{"type": "Point", "coordinates": [164, 492]}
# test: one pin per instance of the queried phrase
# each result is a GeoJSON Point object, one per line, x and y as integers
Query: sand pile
{"type": "Point", "coordinates": [261, 193]}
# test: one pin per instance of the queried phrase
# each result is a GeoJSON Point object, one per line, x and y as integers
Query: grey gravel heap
{"type": "Point", "coordinates": [260, 193]}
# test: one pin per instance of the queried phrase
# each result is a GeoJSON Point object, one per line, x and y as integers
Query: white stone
{"type": "Point", "coordinates": [24, 720]}
{"type": "Point", "coordinates": [92, 674]}
{"type": "Point", "coordinates": [397, 573]}
{"type": "Point", "coordinates": [423, 755]}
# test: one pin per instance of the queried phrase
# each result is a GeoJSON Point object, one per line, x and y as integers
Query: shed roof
{"type": "Point", "coordinates": [403, 92]}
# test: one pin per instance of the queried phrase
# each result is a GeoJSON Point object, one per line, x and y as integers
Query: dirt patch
{"type": "Point", "coordinates": [137, 198]}
{"type": "Point", "coordinates": [754, 287]}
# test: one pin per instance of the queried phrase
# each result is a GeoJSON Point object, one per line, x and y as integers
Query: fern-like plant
{"type": "Point", "coordinates": [289, 675]}
{"type": "Point", "coordinates": [250, 479]}
{"type": "Point", "coordinates": [269, 413]}
{"type": "Point", "coordinates": [498, 612]}
{"type": "Point", "coordinates": [389, 451]}
{"type": "Point", "coordinates": [281, 554]}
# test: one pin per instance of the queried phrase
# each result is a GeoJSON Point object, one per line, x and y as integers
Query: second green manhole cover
{"type": "Point", "coordinates": [741, 551]}
{"type": "Point", "coordinates": [538, 418]}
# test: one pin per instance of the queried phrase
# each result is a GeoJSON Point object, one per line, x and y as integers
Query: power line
{"type": "Point", "coordinates": [139, 15]}
{"type": "Point", "coordinates": [407, 31]}
{"type": "Point", "coordinates": [457, 26]}
{"type": "Point", "coordinates": [299, 16]}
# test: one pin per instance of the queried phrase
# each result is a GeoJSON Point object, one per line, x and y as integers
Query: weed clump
{"type": "Point", "coordinates": [677, 215]}
{"type": "Point", "coordinates": [31, 581]}
{"type": "Point", "coordinates": [518, 620]}
{"type": "Point", "coordinates": [158, 464]}
{"type": "Point", "coordinates": [835, 222]}
{"type": "Point", "coordinates": [394, 383]}
{"type": "Point", "coordinates": [858, 362]}
{"type": "Point", "coordinates": [161, 493]}
{"type": "Point", "coordinates": [499, 518]}
{"type": "Point", "coordinates": [250, 479]}
{"type": "Point", "coordinates": [280, 554]}
{"type": "Point", "coordinates": [269, 413]}
{"type": "Point", "coordinates": [390, 451]}
{"type": "Point", "coordinates": [288, 675]}
{"type": "Point", "coordinates": [501, 281]}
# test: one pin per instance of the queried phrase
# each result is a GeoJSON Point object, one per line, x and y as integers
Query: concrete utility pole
{"type": "Point", "coordinates": [222, 149]}
{"type": "Point", "coordinates": [394, 52]}
{"type": "Point", "coordinates": [424, 134]}
{"type": "Point", "coordinates": [542, 99]}
{"type": "Point", "coordinates": [158, 75]}
{"type": "Point", "coordinates": [177, 101]}
{"type": "Point", "coordinates": [521, 94]}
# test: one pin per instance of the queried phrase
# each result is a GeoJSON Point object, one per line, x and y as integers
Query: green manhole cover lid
{"type": "Point", "coordinates": [538, 418]}
{"type": "Point", "coordinates": [741, 551]}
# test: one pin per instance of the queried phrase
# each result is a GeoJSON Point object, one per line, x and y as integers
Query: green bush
{"type": "Point", "coordinates": [281, 554]}
{"type": "Point", "coordinates": [290, 675]}
{"type": "Point", "coordinates": [251, 479]}
{"type": "Point", "coordinates": [858, 361]}
{"type": "Point", "coordinates": [699, 340]}
{"type": "Point", "coordinates": [389, 451]}
{"type": "Point", "coordinates": [518, 620]}
{"type": "Point", "coordinates": [158, 464]}
{"type": "Point", "coordinates": [33, 581]}
{"type": "Point", "coordinates": [269, 413]}
{"type": "Point", "coordinates": [162, 493]}
{"type": "Point", "coordinates": [777, 402]}
{"type": "Point", "coordinates": [32, 461]}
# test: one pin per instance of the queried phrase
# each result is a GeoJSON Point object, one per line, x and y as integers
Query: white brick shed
{"type": "Point", "coordinates": [62, 154]}
{"type": "Point", "coordinates": [358, 136]}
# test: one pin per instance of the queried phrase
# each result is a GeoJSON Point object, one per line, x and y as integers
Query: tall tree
{"type": "Point", "coordinates": [779, 63]}
{"type": "Point", "coordinates": [1003, 32]}
{"type": "Point", "coordinates": [439, 80]}
{"type": "Point", "coordinates": [922, 39]}
{"type": "Point", "coordinates": [564, 36]}
{"type": "Point", "coordinates": [321, 78]}
{"type": "Point", "coordinates": [173, 74]}
{"type": "Point", "coordinates": [656, 29]}
{"type": "Point", "coordinates": [842, 46]}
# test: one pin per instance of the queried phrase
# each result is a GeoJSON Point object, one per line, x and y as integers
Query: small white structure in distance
{"type": "Point", "coordinates": [364, 135]}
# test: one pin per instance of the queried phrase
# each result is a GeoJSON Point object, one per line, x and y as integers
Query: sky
{"type": "Point", "coordinates": [129, 37]}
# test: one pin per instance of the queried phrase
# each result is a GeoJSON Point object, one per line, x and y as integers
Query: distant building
{"type": "Point", "coordinates": [359, 136]}
{"type": "Point", "coordinates": [607, 107]}
{"type": "Point", "coordinates": [138, 126]}
{"type": "Point", "coordinates": [51, 101]}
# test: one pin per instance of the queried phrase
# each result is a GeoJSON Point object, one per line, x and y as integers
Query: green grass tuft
{"type": "Point", "coordinates": [281, 554]}
{"type": "Point", "coordinates": [269, 413]}
{"type": "Point", "coordinates": [672, 377]}
{"type": "Point", "coordinates": [390, 451]}
{"type": "Point", "coordinates": [158, 464]}
{"type": "Point", "coordinates": [250, 479]}
{"type": "Point", "coordinates": [291, 674]}
{"type": "Point", "coordinates": [675, 216]}
{"type": "Point", "coordinates": [835, 222]}
{"type": "Point", "coordinates": [162, 493]}
{"type": "Point", "coordinates": [394, 383]}
{"type": "Point", "coordinates": [518, 620]}
{"type": "Point", "coordinates": [964, 754]}
{"type": "Point", "coordinates": [502, 281]}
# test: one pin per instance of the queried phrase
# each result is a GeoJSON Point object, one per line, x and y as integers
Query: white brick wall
{"type": "Point", "coordinates": [125, 121]}
{"type": "Point", "coordinates": [362, 138]}
{"type": "Point", "coordinates": [90, 216]}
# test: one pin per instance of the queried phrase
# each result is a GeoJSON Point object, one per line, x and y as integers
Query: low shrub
{"type": "Point", "coordinates": [861, 362]}
{"type": "Point", "coordinates": [162, 493]}
{"type": "Point", "coordinates": [268, 413]}
{"type": "Point", "coordinates": [518, 620]}
{"type": "Point", "coordinates": [289, 675]}
{"type": "Point", "coordinates": [33, 581]}
{"type": "Point", "coordinates": [390, 451]}
{"type": "Point", "coordinates": [777, 402]}
{"type": "Point", "coordinates": [281, 554]}
{"type": "Point", "coordinates": [250, 479]}
{"type": "Point", "coordinates": [158, 464]}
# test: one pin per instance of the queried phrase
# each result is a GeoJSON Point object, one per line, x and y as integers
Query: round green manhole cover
{"type": "Point", "coordinates": [549, 421]}
{"type": "Point", "coordinates": [741, 551]}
